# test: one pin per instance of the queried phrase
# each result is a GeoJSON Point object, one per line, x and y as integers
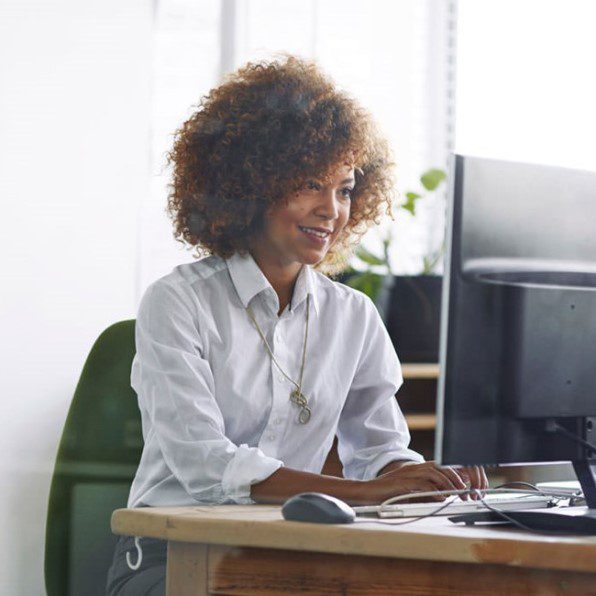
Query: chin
{"type": "Point", "coordinates": [313, 259]}
{"type": "Point", "coordinates": [312, 262]}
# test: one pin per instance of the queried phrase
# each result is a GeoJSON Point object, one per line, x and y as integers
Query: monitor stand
{"type": "Point", "coordinates": [559, 520]}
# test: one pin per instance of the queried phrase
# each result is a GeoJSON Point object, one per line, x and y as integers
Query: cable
{"type": "Point", "coordinates": [575, 497]}
{"type": "Point", "coordinates": [552, 426]}
{"type": "Point", "coordinates": [413, 519]}
{"type": "Point", "coordinates": [518, 523]}
{"type": "Point", "coordinates": [135, 566]}
{"type": "Point", "coordinates": [517, 483]}
{"type": "Point", "coordinates": [475, 492]}
{"type": "Point", "coordinates": [391, 522]}
{"type": "Point", "coordinates": [556, 495]}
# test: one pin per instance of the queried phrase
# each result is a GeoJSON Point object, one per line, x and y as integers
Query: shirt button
{"type": "Point", "coordinates": [271, 437]}
{"type": "Point", "coordinates": [278, 421]}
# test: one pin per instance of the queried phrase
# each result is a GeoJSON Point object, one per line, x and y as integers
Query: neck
{"type": "Point", "coordinates": [281, 277]}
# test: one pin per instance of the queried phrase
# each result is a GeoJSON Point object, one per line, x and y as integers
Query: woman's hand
{"type": "Point", "coordinates": [396, 478]}
{"type": "Point", "coordinates": [475, 477]}
{"type": "Point", "coordinates": [400, 478]}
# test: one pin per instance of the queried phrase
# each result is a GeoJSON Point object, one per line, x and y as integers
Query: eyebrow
{"type": "Point", "coordinates": [345, 181]}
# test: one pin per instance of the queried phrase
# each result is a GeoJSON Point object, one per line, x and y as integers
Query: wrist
{"type": "Point", "coordinates": [393, 465]}
{"type": "Point", "coordinates": [286, 482]}
{"type": "Point", "coordinates": [357, 492]}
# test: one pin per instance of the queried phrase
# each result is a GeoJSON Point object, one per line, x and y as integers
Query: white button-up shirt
{"type": "Point", "coordinates": [216, 411]}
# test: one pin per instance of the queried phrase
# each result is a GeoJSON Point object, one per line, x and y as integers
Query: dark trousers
{"type": "Point", "coordinates": [149, 579]}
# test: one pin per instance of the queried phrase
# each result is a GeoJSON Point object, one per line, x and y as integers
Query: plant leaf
{"type": "Point", "coordinates": [410, 204]}
{"type": "Point", "coordinates": [427, 265]}
{"type": "Point", "coordinates": [368, 257]}
{"type": "Point", "coordinates": [358, 281]}
{"type": "Point", "coordinates": [367, 282]}
{"type": "Point", "coordinates": [432, 178]}
{"type": "Point", "coordinates": [376, 283]}
{"type": "Point", "coordinates": [431, 260]}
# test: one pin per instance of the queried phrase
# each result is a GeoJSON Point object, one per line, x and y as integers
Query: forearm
{"type": "Point", "coordinates": [392, 465]}
{"type": "Point", "coordinates": [396, 478]}
{"type": "Point", "coordinates": [286, 482]}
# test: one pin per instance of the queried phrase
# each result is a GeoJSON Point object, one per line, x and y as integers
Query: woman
{"type": "Point", "coordinates": [250, 360]}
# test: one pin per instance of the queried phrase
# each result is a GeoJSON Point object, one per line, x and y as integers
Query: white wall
{"type": "Point", "coordinates": [186, 65]}
{"type": "Point", "coordinates": [74, 162]}
{"type": "Point", "coordinates": [525, 89]}
{"type": "Point", "coordinates": [83, 229]}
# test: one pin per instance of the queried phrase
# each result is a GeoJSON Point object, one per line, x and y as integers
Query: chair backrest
{"type": "Point", "coordinates": [97, 458]}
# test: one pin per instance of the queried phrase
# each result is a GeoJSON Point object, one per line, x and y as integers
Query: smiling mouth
{"type": "Point", "coordinates": [315, 232]}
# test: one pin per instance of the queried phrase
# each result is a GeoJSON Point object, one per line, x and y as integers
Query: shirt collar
{"type": "Point", "coordinates": [249, 280]}
{"type": "Point", "coordinates": [305, 284]}
{"type": "Point", "coordinates": [246, 276]}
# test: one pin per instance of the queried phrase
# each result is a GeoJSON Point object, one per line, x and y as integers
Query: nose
{"type": "Point", "coordinates": [329, 204]}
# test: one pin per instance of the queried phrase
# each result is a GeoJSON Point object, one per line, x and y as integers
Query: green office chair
{"type": "Point", "coordinates": [98, 455]}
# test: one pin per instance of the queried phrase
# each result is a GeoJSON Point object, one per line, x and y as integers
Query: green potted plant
{"type": "Point", "coordinates": [410, 305]}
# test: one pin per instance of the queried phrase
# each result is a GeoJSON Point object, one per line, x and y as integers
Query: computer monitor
{"type": "Point", "coordinates": [518, 324]}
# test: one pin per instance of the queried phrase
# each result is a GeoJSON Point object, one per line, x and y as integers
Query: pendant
{"type": "Point", "coordinates": [300, 400]}
{"type": "Point", "coordinates": [304, 415]}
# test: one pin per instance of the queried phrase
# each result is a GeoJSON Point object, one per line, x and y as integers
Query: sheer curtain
{"type": "Point", "coordinates": [395, 56]}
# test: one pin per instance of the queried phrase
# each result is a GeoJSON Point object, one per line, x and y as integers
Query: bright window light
{"type": "Point", "coordinates": [525, 84]}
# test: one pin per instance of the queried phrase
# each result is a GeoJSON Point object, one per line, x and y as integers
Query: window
{"type": "Point", "coordinates": [394, 56]}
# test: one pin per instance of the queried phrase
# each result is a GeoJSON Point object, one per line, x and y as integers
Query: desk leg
{"type": "Point", "coordinates": [186, 569]}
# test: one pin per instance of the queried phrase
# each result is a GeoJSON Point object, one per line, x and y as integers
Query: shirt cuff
{"type": "Point", "coordinates": [248, 466]}
{"type": "Point", "coordinates": [383, 459]}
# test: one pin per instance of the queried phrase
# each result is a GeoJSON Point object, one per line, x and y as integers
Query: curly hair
{"type": "Point", "coordinates": [255, 140]}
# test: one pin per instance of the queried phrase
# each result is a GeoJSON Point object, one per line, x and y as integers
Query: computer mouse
{"type": "Point", "coordinates": [317, 508]}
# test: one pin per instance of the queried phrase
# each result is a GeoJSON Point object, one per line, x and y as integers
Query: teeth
{"type": "Point", "coordinates": [315, 232]}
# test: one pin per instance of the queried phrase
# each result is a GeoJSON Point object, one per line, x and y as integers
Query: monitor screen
{"type": "Point", "coordinates": [518, 324]}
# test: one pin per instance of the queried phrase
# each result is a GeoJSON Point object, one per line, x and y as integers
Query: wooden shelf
{"type": "Point", "coordinates": [421, 421]}
{"type": "Point", "coordinates": [420, 371]}
{"type": "Point", "coordinates": [419, 404]}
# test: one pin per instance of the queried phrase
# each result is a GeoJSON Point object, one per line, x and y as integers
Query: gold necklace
{"type": "Point", "coordinates": [296, 396]}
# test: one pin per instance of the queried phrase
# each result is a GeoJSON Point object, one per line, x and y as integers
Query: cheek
{"type": "Point", "coordinates": [284, 219]}
{"type": "Point", "coordinates": [292, 220]}
{"type": "Point", "coordinates": [345, 214]}
{"type": "Point", "coordinates": [295, 214]}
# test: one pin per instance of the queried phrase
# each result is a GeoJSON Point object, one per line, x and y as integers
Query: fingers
{"type": "Point", "coordinates": [443, 479]}
{"type": "Point", "coordinates": [482, 479]}
{"type": "Point", "coordinates": [428, 485]}
{"type": "Point", "coordinates": [475, 474]}
{"type": "Point", "coordinates": [477, 478]}
{"type": "Point", "coordinates": [485, 484]}
{"type": "Point", "coordinates": [427, 476]}
{"type": "Point", "coordinates": [455, 479]}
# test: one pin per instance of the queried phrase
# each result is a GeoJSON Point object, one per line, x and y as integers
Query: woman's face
{"type": "Point", "coordinates": [302, 231]}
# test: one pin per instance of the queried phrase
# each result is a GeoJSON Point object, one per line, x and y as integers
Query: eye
{"type": "Point", "coordinates": [347, 192]}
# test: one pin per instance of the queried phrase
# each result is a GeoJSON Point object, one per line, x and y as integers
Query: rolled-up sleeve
{"type": "Point", "coordinates": [175, 388]}
{"type": "Point", "coordinates": [372, 430]}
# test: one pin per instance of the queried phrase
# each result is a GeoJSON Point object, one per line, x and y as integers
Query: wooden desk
{"type": "Point", "coordinates": [252, 550]}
